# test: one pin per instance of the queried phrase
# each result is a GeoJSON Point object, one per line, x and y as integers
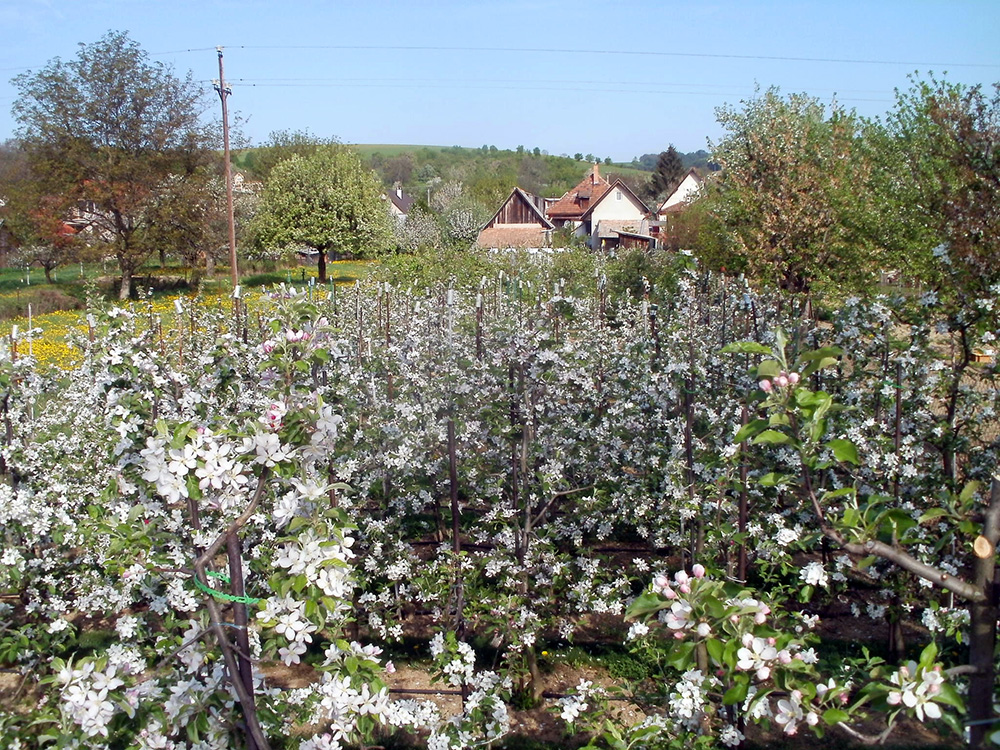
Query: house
{"type": "Point", "coordinates": [608, 215]}
{"type": "Point", "coordinates": [400, 204]}
{"type": "Point", "coordinates": [618, 213]}
{"type": "Point", "coordinates": [669, 230]}
{"type": "Point", "coordinates": [519, 223]}
{"type": "Point", "coordinates": [571, 207]}
{"type": "Point", "coordinates": [683, 194]}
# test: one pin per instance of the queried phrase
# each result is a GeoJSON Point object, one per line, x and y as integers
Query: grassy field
{"type": "Point", "coordinates": [57, 310]}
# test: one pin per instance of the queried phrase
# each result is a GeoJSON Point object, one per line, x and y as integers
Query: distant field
{"type": "Point", "coordinates": [624, 171]}
{"type": "Point", "coordinates": [392, 149]}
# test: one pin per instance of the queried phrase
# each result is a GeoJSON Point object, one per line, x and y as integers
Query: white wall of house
{"type": "Point", "coordinates": [684, 192]}
{"type": "Point", "coordinates": [616, 204]}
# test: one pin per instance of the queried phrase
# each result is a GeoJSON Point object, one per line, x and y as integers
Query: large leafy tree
{"type": "Point", "coordinates": [327, 201]}
{"type": "Point", "coordinates": [34, 221]}
{"type": "Point", "coordinates": [793, 196]}
{"type": "Point", "coordinates": [944, 141]}
{"type": "Point", "coordinates": [279, 146]}
{"type": "Point", "coordinates": [115, 133]}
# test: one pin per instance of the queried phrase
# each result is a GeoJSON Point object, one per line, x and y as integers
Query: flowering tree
{"type": "Point", "coordinates": [326, 201]}
{"type": "Point", "coordinates": [291, 477]}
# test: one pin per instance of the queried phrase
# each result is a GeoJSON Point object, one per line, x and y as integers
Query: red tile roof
{"type": "Point", "coordinates": [576, 202]}
{"type": "Point", "coordinates": [513, 235]}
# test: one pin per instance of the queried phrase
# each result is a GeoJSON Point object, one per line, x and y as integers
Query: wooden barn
{"type": "Point", "coordinates": [520, 222]}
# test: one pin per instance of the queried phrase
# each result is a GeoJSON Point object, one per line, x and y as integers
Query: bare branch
{"type": "Point", "coordinates": [545, 509]}
{"type": "Point", "coordinates": [236, 525]}
{"type": "Point", "coordinates": [866, 739]}
{"type": "Point", "coordinates": [907, 562]}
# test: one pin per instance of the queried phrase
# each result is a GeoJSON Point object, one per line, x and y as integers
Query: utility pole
{"type": "Point", "coordinates": [224, 92]}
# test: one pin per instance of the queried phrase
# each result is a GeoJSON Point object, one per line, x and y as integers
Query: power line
{"type": "Point", "coordinates": [635, 53]}
{"type": "Point", "coordinates": [446, 85]}
{"type": "Point", "coordinates": [566, 51]}
{"type": "Point", "coordinates": [514, 81]}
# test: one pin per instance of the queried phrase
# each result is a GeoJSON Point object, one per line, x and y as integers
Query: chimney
{"type": "Point", "coordinates": [596, 174]}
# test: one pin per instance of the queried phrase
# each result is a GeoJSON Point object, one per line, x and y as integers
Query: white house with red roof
{"type": "Point", "coordinates": [683, 194]}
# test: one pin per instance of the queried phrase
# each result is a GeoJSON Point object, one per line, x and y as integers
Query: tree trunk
{"type": "Point", "coordinates": [321, 266]}
{"type": "Point", "coordinates": [126, 286]}
{"type": "Point", "coordinates": [240, 620]}
{"type": "Point", "coordinates": [982, 626]}
{"type": "Point", "coordinates": [48, 274]}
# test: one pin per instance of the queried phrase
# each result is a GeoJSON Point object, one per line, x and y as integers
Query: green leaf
{"type": "Point", "coordinates": [932, 514]}
{"type": "Point", "coordinates": [738, 692]}
{"type": "Point", "coordinates": [780, 340]}
{"type": "Point", "coordinates": [950, 696]}
{"type": "Point", "coordinates": [832, 494]}
{"type": "Point", "coordinates": [772, 437]}
{"type": "Point", "coordinates": [681, 656]}
{"type": "Point", "coordinates": [715, 650]}
{"type": "Point", "coordinates": [769, 368]}
{"type": "Point", "coordinates": [818, 364]}
{"type": "Point", "coordinates": [835, 716]}
{"type": "Point", "coordinates": [928, 655]}
{"type": "Point", "coordinates": [746, 347]}
{"type": "Point", "coordinates": [749, 430]}
{"type": "Point", "coordinates": [644, 605]}
{"type": "Point", "coordinates": [819, 354]}
{"type": "Point", "coordinates": [773, 479]}
{"type": "Point", "coordinates": [898, 519]}
{"type": "Point", "coordinates": [969, 492]}
{"type": "Point", "coordinates": [866, 562]}
{"type": "Point", "coordinates": [844, 450]}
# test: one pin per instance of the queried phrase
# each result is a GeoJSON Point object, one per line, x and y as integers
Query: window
{"type": "Point", "coordinates": [618, 195]}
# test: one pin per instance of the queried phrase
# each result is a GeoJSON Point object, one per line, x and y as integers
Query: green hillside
{"type": "Point", "coordinates": [486, 174]}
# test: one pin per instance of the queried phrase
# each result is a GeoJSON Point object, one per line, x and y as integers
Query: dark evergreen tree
{"type": "Point", "coordinates": [667, 175]}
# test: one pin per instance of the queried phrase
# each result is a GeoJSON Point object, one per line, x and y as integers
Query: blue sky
{"type": "Point", "coordinates": [614, 79]}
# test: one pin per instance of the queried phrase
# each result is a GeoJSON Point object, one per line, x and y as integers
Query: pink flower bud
{"type": "Point", "coordinates": [784, 656]}
{"type": "Point", "coordinates": [793, 378]}
{"type": "Point", "coordinates": [734, 619]}
{"type": "Point", "coordinates": [765, 385]}
{"type": "Point", "coordinates": [685, 589]}
{"type": "Point", "coordinates": [698, 570]}
{"type": "Point", "coordinates": [763, 673]}
{"type": "Point", "coordinates": [661, 582]}
{"type": "Point", "coordinates": [681, 577]}
{"type": "Point", "coordinates": [781, 381]}
{"type": "Point", "coordinates": [771, 641]}
{"type": "Point", "coordinates": [760, 618]}
{"type": "Point", "coordinates": [669, 593]}
{"type": "Point", "coordinates": [679, 635]}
